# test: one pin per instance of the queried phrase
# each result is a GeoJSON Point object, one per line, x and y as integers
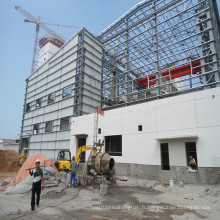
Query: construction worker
{"type": "Point", "coordinates": [73, 166]}
{"type": "Point", "coordinates": [38, 183]}
{"type": "Point", "coordinates": [21, 161]}
{"type": "Point", "coordinates": [192, 162]}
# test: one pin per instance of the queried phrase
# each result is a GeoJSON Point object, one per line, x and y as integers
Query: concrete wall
{"type": "Point", "coordinates": [175, 120]}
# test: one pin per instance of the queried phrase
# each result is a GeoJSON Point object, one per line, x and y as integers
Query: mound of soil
{"type": "Point", "coordinates": [9, 161]}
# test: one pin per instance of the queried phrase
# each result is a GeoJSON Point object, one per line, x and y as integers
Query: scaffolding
{"type": "Point", "coordinates": [160, 48]}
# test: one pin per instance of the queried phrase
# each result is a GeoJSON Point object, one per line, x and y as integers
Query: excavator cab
{"type": "Point", "coordinates": [63, 160]}
{"type": "Point", "coordinates": [24, 152]}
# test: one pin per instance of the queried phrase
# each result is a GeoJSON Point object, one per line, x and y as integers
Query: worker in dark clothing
{"type": "Point", "coordinates": [73, 166]}
{"type": "Point", "coordinates": [38, 183]}
{"type": "Point", "coordinates": [192, 163]}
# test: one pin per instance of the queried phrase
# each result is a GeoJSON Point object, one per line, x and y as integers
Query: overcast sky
{"type": "Point", "coordinates": [17, 42]}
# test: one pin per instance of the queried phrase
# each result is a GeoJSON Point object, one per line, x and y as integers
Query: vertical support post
{"type": "Point", "coordinates": [156, 56]}
{"type": "Point", "coordinates": [35, 44]}
{"type": "Point", "coordinates": [170, 85]}
{"type": "Point", "coordinates": [23, 115]}
{"type": "Point", "coordinates": [127, 65]}
{"type": "Point", "coordinates": [102, 79]}
{"type": "Point", "coordinates": [116, 86]}
{"type": "Point", "coordinates": [207, 49]}
{"type": "Point", "coordinates": [215, 34]}
{"type": "Point", "coordinates": [190, 80]}
{"type": "Point", "coordinates": [79, 79]}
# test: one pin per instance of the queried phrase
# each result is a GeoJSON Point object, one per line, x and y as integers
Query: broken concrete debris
{"type": "Point", "coordinates": [51, 179]}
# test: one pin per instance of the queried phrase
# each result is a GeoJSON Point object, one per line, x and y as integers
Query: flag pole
{"type": "Point", "coordinates": [97, 125]}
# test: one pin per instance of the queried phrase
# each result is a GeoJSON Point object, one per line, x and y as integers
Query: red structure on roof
{"type": "Point", "coordinates": [193, 67]}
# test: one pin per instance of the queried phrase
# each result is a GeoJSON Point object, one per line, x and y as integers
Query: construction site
{"type": "Point", "coordinates": [136, 108]}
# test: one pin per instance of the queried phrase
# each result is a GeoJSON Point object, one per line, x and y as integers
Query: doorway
{"type": "Point", "coordinates": [81, 142]}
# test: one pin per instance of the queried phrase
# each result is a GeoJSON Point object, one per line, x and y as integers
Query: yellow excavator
{"type": "Point", "coordinates": [63, 160]}
{"type": "Point", "coordinates": [64, 157]}
{"type": "Point", "coordinates": [24, 152]}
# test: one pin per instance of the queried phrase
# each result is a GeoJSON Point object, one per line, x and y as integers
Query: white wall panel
{"type": "Point", "coordinates": [70, 59]}
{"type": "Point", "coordinates": [172, 116]}
{"type": "Point", "coordinates": [70, 44]}
{"type": "Point", "coordinates": [173, 122]}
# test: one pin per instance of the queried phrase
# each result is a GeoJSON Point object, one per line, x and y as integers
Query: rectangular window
{"type": "Point", "coordinates": [28, 107]}
{"type": "Point", "coordinates": [113, 145]}
{"type": "Point", "coordinates": [165, 163]}
{"type": "Point", "coordinates": [67, 91]}
{"type": "Point", "coordinates": [51, 98]}
{"type": "Point", "coordinates": [36, 128]}
{"type": "Point", "coordinates": [139, 127]}
{"type": "Point", "coordinates": [99, 131]}
{"type": "Point", "coordinates": [48, 126]}
{"type": "Point", "coordinates": [64, 123]}
{"type": "Point", "coordinates": [38, 103]}
{"type": "Point", "coordinates": [191, 151]}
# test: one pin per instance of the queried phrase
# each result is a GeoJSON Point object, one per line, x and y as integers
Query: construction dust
{"type": "Point", "coordinates": [9, 161]}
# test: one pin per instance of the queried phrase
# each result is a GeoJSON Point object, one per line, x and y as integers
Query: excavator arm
{"type": "Point", "coordinates": [83, 149]}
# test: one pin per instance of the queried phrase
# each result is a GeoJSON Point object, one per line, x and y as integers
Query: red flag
{"type": "Point", "coordinates": [99, 111]}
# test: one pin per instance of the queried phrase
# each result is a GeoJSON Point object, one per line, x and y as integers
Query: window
{"type": "Point", "coordinates": [191, 151]}
{"type": "Point", "coordinates": [51, 98]}
{"type": "Point", "coordinates": [67, 91]}
{"type": "Point", "coordinates": [113, 145]}
{"type": "Point", "coordinates": [64, 123]}
{"type": "Point", "coordinates": [36, 129]}
{"type": "Point", "coordinates": [38, 103]}
{"type": "Point", "coordinates": [139, 127]}
{"type": "Point", "coordinates": [165, 164]}
{"type": "Point", "coordinates": [28, 107]}
{"type": "Point", "coordinates": [64, 155]}
{"type": "Point", "coordinates": [99, 131]}
{"type": "Point", "coordinates": [48, 126]}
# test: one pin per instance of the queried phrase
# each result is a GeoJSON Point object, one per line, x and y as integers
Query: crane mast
{"type": "Point", "coordinates": [42, 25]}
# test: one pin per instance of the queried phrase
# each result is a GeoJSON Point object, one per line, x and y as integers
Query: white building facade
{"type": "Point", "coordinates": [67, 84]}
{"type": "Point", "coordinates": [141, 137]}
{"type": "Point", "coordinates": [7, 144]}
{"type": "Point", "coordinates": [155, 72]}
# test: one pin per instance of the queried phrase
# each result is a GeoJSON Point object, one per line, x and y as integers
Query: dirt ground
{"type": "Point", "coordinates": [131, 199]}
{"type": "Point", "coordinates": [5, 175]}
{"type": "Point", "coordinates": [9, 161]}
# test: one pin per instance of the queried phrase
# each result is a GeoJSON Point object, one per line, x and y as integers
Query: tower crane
{"type": "Point", "coordinates": [42, 25]}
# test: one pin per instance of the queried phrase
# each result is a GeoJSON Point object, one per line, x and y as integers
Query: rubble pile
{"type": "Point", "coordinates": [23, 181]}
{"type": "Point", "coordinates": [30, 163]}
{"type": "Point", "coordinates": [51, 179]}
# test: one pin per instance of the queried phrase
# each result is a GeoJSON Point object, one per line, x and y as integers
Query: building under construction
{"type": "Point", "coordinates": [154, 72]}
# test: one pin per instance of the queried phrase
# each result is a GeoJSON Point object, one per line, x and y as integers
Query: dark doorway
{"type": "Point", "coordinates": [82, 142]}
{"type": "Point", "coordinates": [24, 143]}
{"type": "Point", "coordinates": [191, 151]}
{"type": "Point", "coordinates": [165, 163]}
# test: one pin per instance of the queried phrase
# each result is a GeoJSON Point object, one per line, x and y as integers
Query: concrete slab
{"type": "Point", "coordinates": [131, 199]}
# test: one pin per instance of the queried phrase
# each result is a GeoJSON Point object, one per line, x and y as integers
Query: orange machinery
{"type": "Point", "coordinates": [177, 72]}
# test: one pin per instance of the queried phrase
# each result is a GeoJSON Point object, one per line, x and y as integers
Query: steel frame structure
{"type": "Point", "coordinates": [145, 50]}
{"type": "Point", "coordinates": [68, 79]}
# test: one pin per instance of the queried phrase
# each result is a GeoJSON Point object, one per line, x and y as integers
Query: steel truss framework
{"type": "Point", "coordinates": [78, 91]}
{"type": "Point", "coordinates": [160, 48]}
